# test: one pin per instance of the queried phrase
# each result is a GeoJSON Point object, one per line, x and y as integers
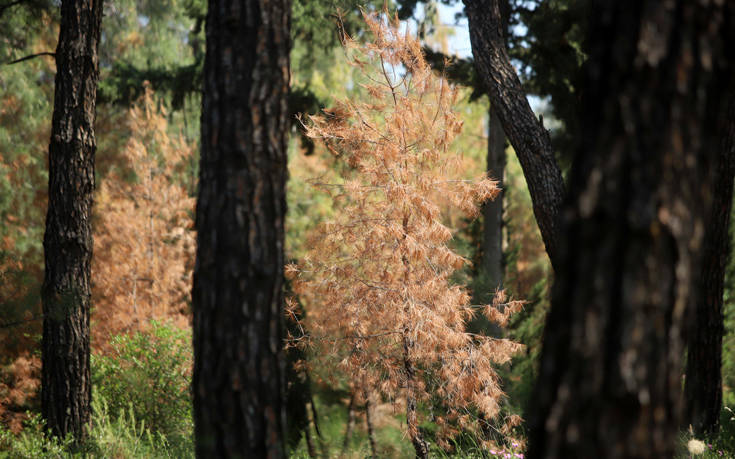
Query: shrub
{"type": "Point", "coordinates": [147, 377]}
{"type": "Point", "coordinates": [31, 442]}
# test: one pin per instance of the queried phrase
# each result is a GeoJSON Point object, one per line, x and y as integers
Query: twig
{"type": "Point", "coordinates": [32, 56]}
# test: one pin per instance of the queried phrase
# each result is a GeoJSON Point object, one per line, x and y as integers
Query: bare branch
{"type": "Point", "coordinates": [32, 56]}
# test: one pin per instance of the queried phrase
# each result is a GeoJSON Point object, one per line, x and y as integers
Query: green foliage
{"type": "Point", "coordinates": [146, 377]}
{"type": "Point", "coordinates": [31, 442]}
{"type": "Point", "coordinates": [728, 342]}
{"type": "Point", "coordinates": [713, 447]}
{"type": "Point", "coordinates": [551, 57]}
{"type": "Point", "coordinates": [126, 436]}
{"type": "Point", "coordinates": [118, 436]}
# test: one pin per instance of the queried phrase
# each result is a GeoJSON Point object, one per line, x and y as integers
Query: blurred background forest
{"type": "Point", "coordinates": [148, 111]}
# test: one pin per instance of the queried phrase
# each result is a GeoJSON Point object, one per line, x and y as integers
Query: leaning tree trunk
{"type": "Point", "coordinates": [65, 375]}
{"type": "Point", "coordinates": [528, 136]}
{"type": "Point", "coordinates": [237, 296]}
{"type": "Point", "coordinates": [641, 190]}
{"type": "Point", "coordinates": [703, 383]}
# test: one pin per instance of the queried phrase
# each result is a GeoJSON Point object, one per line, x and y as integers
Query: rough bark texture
{"type": "Point", "coordinates": [65, 377]}
{"type": "Point", "coordinates": [703, 383]}
{"type": "Point", "coordinates": [640, 193]}
{"type": "Point", "coordinates": [526, 133]}
{"type": "Point", "coordinates": [237, 295]}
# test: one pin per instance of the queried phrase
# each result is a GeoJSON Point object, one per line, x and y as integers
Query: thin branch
{"type": "Point", "coordinates": [32, 56]}
{"type": "Point", "coordinates": [20, 322]}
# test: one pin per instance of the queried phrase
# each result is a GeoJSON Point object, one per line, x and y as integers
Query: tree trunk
{"type": "Point", "coordinates": [412, 421]}
{"type": "Point", "coordinates": [530, 140]}
{"type": "Point", "coordinates": [350, 424]}
{"type": "Point", "coordinates": [703, 383]}
{"type": "Point", "coordinates": [369, 424]}
{"type": "Point", "coordinates": [311, 418]}
{"type": "Point", "coordinates": [493, 210]}
{"type": "Point", "coordinates": [237, 296]}
{"type": "Point", "coordinates": [640, 195]}
{"type": "Point", "coordinates": [495, 69]}
{"type": "Point", "coordinates": [65, 375]}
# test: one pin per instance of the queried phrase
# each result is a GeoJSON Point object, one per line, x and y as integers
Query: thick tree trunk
{"type": "Point", "coordinates": [237, 296]}
{"type": "Point", "coordinates": [703, 383]}
{"type": "Point", "coordinates": [65, 377]}
{"type": "Point", "coordinates": [530, 140]}
{"type": "Point", "coordinates": [494, 67]}
{"type": "Point", "coordinates": [641, 190]}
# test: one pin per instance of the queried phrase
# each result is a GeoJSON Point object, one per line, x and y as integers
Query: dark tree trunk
{"type": "Point", "coordinates": [420, 446]}
{"type": "Point", "coordinates": [369, 424]}
{"type": "Point", "coordinates": [703, 392]}
{"type": "Point", "coordinates": [641, 190]}
{"type": "Point", "coordinates": [493, 210]}
{"type": "Point", "coordinates": [530, 140]}
{"type": "Point", "coordinates": [237, 295]}
{"type": "Point", "coordinates": [350, 424]}
{"type": "Point", "coordinates": [65, 376]}
{"type": "Point", "coordinates": [703, 383]}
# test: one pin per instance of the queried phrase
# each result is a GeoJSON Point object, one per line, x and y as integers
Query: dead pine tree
{"type": "Point", "coordinates": [376, 282]}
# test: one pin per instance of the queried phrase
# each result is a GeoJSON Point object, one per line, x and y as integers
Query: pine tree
{"type": "Point", "coordinates": [381, 306]}
{"type": "Point", "coordinates": [65, 378]}
{"type": "Point", "coordinates": [238, 276]}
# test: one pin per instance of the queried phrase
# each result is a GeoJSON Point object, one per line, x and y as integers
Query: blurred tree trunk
{"type": "Point", "coordinates": [703, 392]}
{"type": "Point", "coordinates": [237, 296]}
{"type": "Point", "coordinates": [640, 196]}
{"type": "Point", "coordinates": [703, 383]}
{"type": "Point", "coordinates": [493, 210]}
{"type": "Point", "coordinates": [65, 376]}
{"type": "Point", "coordinates": [369, 424]}
{"type": "Point", "coordinates": [350, 424]}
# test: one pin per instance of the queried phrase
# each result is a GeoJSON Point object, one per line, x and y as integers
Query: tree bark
{"type": "Point", "coordinates": [485, 20]}
{"type": "Point", "coordinates": [65, 375]}
{"type": "Point", "coordinates": [703, 383]}
{"type": "Point", "coordinates": [641, 190]}
{"type": "Point", "coordinates": [493, 210]}
{"type": "Point", "coordinates": [237, 295]}
{"type": "Point", "coordinates": [526, 133]}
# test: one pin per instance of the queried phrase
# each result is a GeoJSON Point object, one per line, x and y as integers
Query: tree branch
{"type": "Point", "coordinates": [526, 133]}
{"type": "Point", "coordinates": [32, 56]}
